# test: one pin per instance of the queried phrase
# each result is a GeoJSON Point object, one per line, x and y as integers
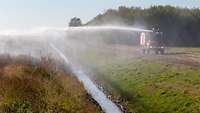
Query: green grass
{"type": "Point", "coordinates": [27, 88]}
{"type": "Point", "coordinates": [152, 87]}
{"type": "Point", "coordinates": [148, 85]}
{"type": "Point", "coordinates": [192, 50]}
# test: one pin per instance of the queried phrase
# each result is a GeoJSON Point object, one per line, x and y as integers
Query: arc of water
{"type": "Point", "coordinates": [106, 104]}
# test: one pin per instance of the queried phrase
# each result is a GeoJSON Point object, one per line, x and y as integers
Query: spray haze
{"type": "Point", "coordinates": [71, 44]}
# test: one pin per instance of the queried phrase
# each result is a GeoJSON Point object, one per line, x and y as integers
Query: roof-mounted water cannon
{"type": "Point", "coordinates": [155, 29]}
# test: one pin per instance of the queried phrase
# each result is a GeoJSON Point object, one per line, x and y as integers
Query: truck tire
{"type": "Point", "coordinates": [162, 51]}
{"type": "Point", "coordinates": [148, 51]}
{"type": "Point", "coordinates": [156, 52]}
{"type": "Point", "coordinates": [143, 51]}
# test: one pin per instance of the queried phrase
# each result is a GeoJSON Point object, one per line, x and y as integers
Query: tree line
{"type": "Point", "coordinates": [181, 26]}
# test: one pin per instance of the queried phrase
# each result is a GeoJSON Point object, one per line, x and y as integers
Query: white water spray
{"type": "Point", "coordinates": [36, 43]}
{"type": "Point", "coordinates": [109, 28]}
{"type": "Point", "coordinates": [107, 105]}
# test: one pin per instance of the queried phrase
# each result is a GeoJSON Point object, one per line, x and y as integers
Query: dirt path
{"type": "Point", "coordinates": [174, 57]}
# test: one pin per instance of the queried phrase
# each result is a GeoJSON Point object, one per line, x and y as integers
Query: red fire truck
{"type": "Point", "coordinates": [152, 41]}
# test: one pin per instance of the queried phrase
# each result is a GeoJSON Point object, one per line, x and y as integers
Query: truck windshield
{"type": "Point", "coordinates": [155, 36]}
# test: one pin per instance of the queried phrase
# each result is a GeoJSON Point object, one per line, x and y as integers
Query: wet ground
{"type": "Point", "coordinates": [138, 81]}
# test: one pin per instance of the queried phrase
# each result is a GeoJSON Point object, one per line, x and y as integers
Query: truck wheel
{"type": "Point", "coordinates": [156, 52]}
{"type": "Point", "coordinates": [143, 51]}
{"type": "Point", "coordinates": [162, 51]}
{"type": "Point", "coordinates": [148, 51]}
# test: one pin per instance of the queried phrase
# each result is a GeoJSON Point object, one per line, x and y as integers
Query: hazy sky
{"type": "Point", "coordinates": [20, 14]}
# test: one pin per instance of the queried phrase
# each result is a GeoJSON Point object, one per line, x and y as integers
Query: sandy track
{"type": "Point", "coordinates": [177, 57]}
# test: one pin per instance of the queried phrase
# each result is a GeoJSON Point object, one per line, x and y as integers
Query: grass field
{"type": "Point", "coordinates": [36, 88]}
{"type": "Point", "coordinates": [149, 83]}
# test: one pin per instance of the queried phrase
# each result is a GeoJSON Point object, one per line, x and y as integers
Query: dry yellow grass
{"type": "Point", "coordinates": [26, 88]}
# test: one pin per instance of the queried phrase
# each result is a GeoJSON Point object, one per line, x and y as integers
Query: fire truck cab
{"type": "Point", "coordinates": [152, 41]}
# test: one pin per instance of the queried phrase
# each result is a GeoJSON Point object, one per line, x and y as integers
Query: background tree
{"type": "Point", "coordinates": [181, 26]}
{"type": "Point", "coordinates": [75, 22]}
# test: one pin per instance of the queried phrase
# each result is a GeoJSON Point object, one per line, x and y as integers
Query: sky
{"type": "Point", "coordinates": [25, 14]}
